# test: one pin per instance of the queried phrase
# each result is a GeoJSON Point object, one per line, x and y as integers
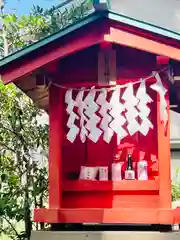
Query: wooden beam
{"type": "Point", "coordinates": [79, 42]}
{"type": "Point", "coordinates": [132, 40]}
{"type": "Point", "coordinates": [84, 40]}
{"type": "Point", "coordinates": [106, 65]}
{"type": "Point", "coordinates": [162, 60]}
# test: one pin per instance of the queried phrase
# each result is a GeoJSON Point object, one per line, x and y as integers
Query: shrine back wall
{"type": "Point", "coordinates": [81, 70]}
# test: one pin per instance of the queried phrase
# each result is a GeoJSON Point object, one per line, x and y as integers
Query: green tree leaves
{"type": "Point", "coordinates": [23, 176]}
{"type": "Point", "coordinates": [176, 187]}
{"type": "Point", "coordinates": [23, 184]}
{"type": "Point", "coordinates": [18, 32]}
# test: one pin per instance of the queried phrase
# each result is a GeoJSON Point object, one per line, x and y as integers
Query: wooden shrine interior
{"type": "Point", "coordinates": [85, 72]}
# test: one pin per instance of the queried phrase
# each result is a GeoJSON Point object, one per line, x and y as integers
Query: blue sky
{"type": "Point", "coordinates": [24, 6]}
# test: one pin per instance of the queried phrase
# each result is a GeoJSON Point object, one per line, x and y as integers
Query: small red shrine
{"type": "Point", "coordinates": [107, 85]}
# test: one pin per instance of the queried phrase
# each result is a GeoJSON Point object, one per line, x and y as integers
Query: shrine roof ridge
{"type": "Point", "coordinates": [108, 14]}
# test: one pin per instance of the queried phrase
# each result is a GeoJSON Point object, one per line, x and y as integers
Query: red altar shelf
{"type": "Point", "coordinates": [124, 185]}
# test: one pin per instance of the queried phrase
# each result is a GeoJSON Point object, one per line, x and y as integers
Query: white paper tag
{"type": "Point", "coordinates": [103, 173]}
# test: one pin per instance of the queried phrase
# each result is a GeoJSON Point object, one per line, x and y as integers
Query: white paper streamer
{"type": "Point", "coordinates": [83, 119]}
{"type": "Point", "coordinates": [73, 129]}
{"type": "Point", "coordinates": [93, 118]}
{"type": "Point", "coordinates": [97, 116]}
{"type": "Point", "coordinates": [69, 100]}
{"type": "Point", "coordinates": [106, 118]}
{"type": "Point", "coordinates": [116, 113]}
{"type": "Point", "coordinates": [161, 90]}
{"type": "Point", "coordinates": [144, 110]}
{"type": "Point", "coordinates": [130, 104]}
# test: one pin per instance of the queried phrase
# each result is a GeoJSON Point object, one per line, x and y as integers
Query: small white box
{"type": "Point", "coordinates": [117, 171]}
{"type": "Point", "coordinates": [88, 173]}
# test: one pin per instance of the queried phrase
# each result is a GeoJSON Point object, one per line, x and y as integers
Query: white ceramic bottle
{"type": "Point", "coordinates": [116, 171]}
{"type": "Point", "coordinates": [142, 170]}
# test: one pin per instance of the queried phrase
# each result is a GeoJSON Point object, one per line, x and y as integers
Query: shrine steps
{"type": "Point", "coordinates": [105, 235]}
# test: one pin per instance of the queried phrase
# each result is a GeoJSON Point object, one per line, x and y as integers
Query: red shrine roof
{"type": "Point", "coordinates": [131, 32]}
{"type": "Point", "coordinates": [85, 21]}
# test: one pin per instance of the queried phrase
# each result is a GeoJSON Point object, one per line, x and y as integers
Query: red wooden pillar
{"type": "Point", "coordinates": [163, 134]}
{"type": "Point", "coordinates": [55, 148]}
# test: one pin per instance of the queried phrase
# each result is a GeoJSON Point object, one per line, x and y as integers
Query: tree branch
{"type": "Point", "coordinates": [7, 147]}
{"type": "Point", "coordinates": [13, 228]}
{"type": "Point", "coordinates": [15, 133]}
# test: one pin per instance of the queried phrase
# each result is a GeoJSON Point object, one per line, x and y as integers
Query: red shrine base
{"type": "Point", "coordinates": [119, 215]}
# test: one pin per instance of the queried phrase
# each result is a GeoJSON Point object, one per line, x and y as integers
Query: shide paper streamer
{"type": "Point", "coordinates": [99, 115]}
